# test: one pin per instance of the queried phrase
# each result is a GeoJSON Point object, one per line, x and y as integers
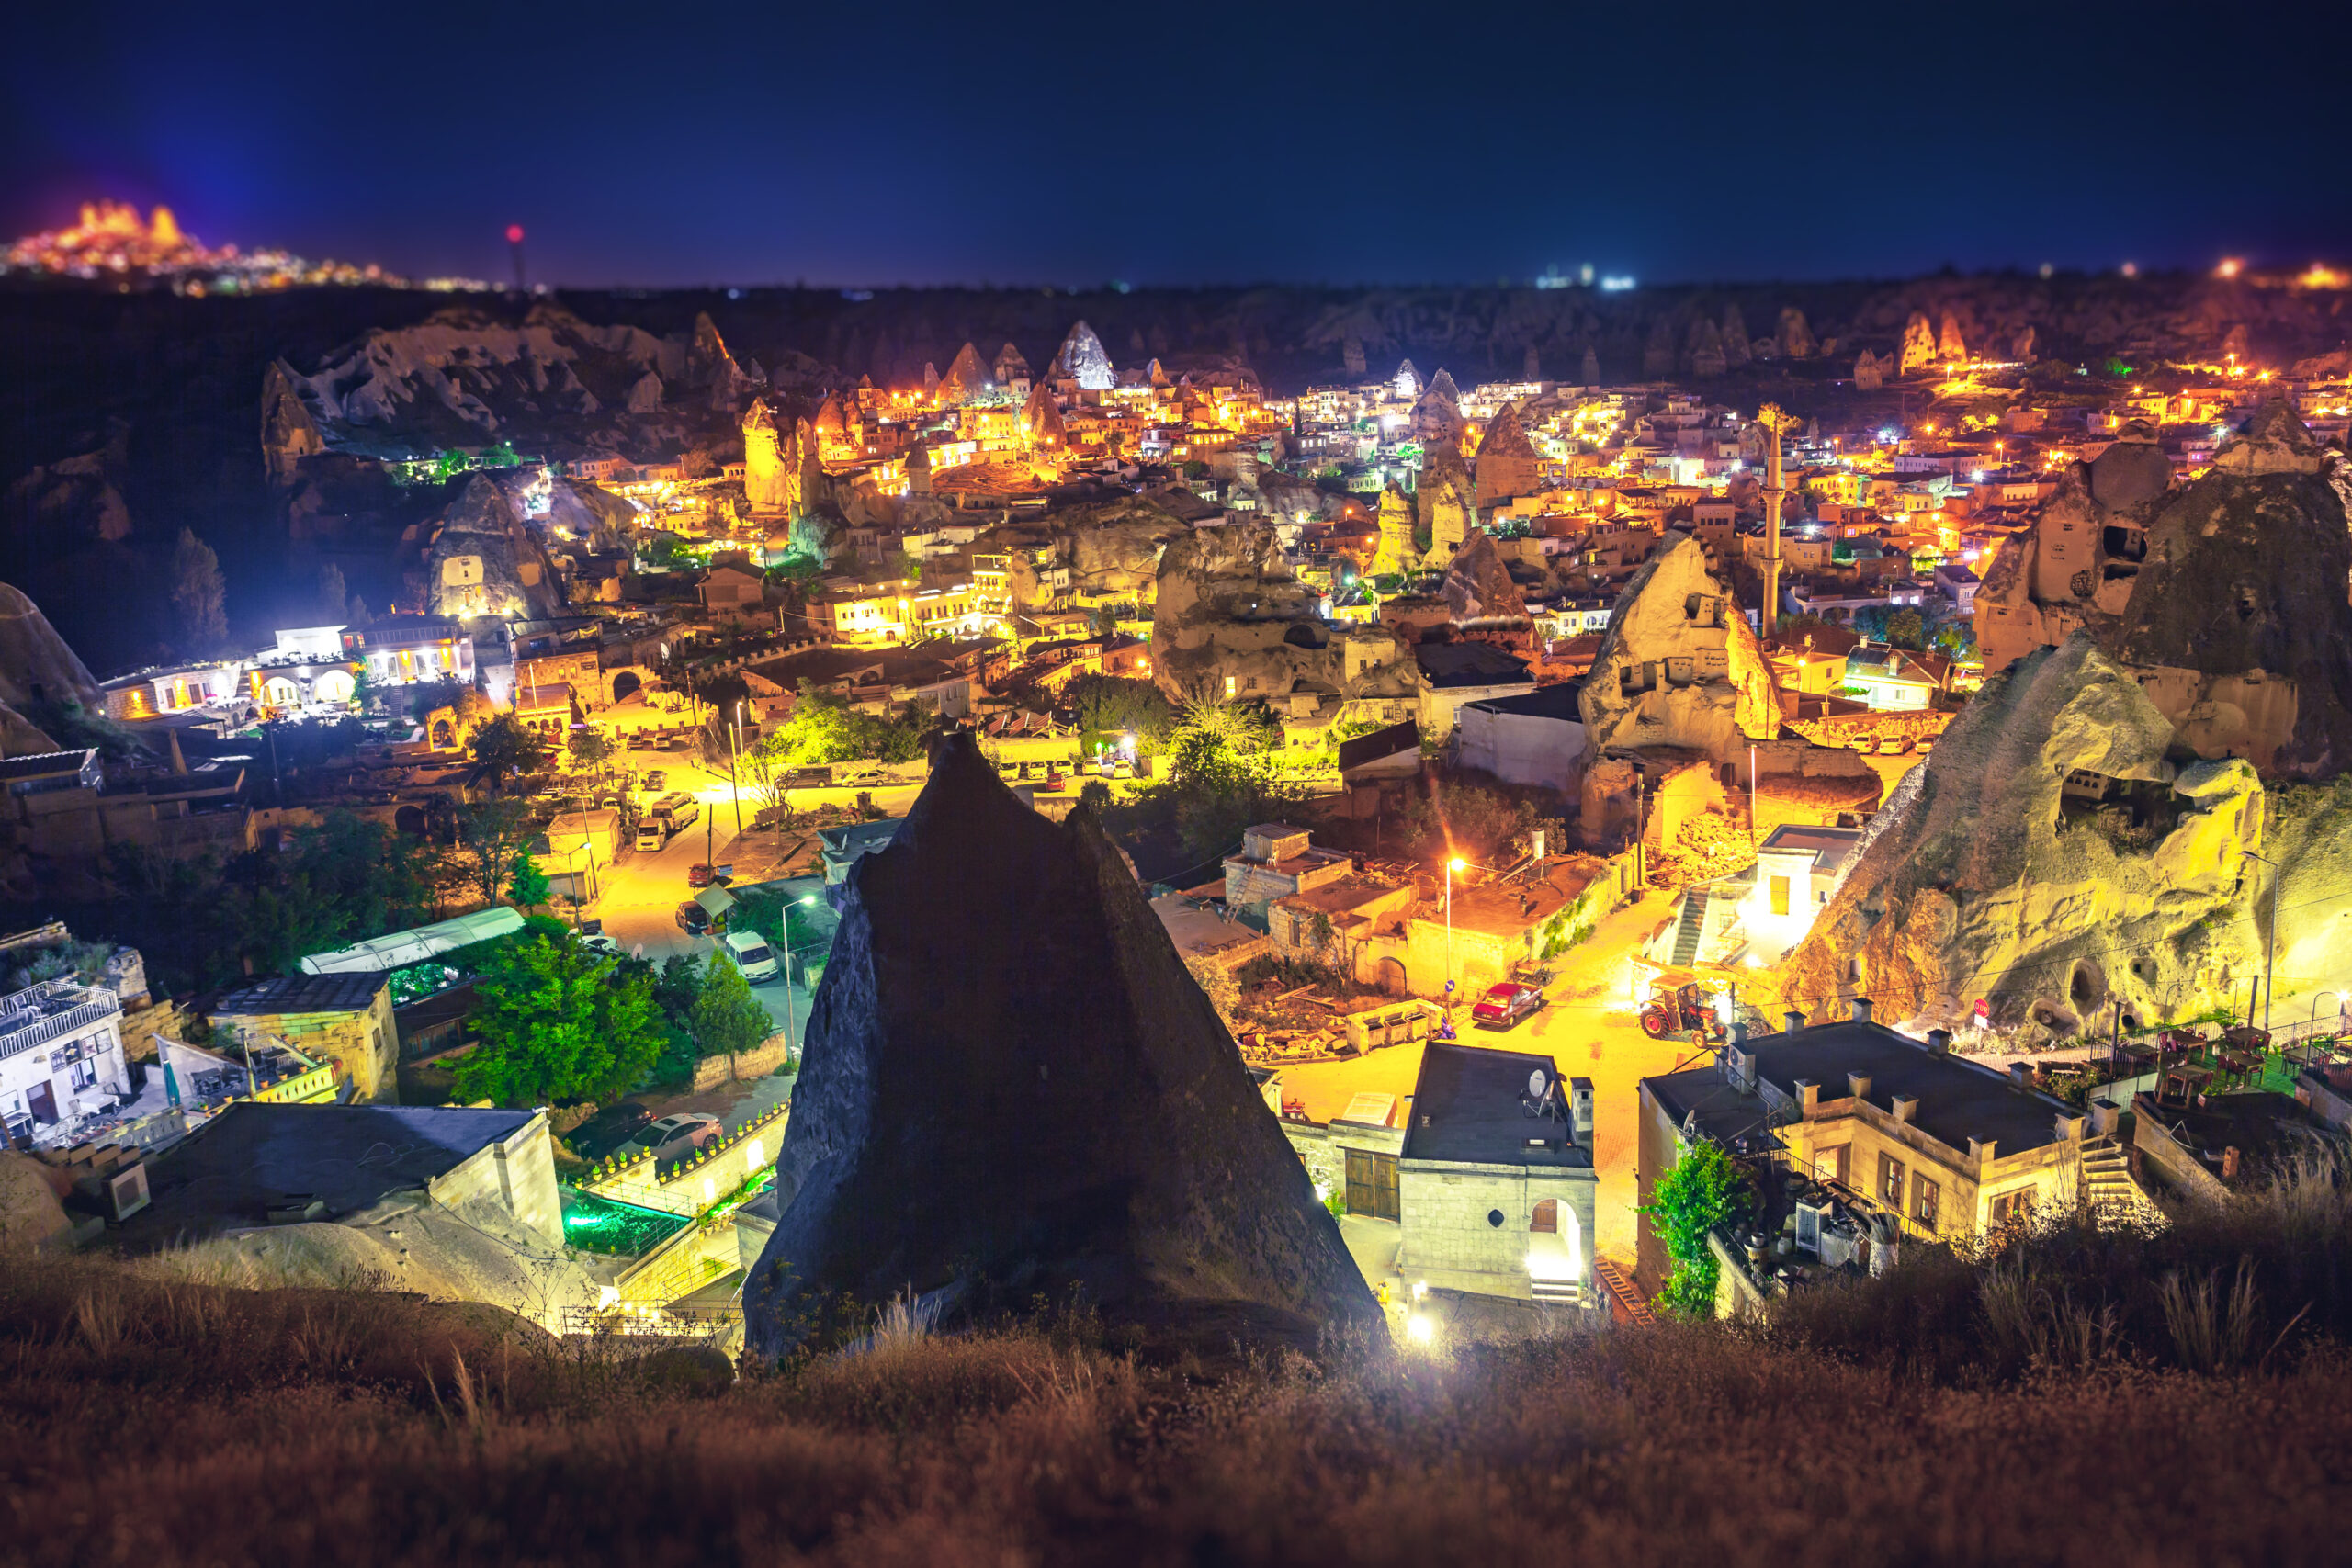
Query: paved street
{"type": "Point", "coordinates": [1587, 1027]}
{"type": "Point", "coordinates": [639, 897]}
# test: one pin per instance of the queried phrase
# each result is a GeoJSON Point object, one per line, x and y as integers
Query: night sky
{"type": "Point", "coordinates": [1022, 141]}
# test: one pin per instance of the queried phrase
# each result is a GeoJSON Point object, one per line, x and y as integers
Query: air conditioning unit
{"type": "Point", "coordinates": [1809, 1219]}
{"type": "Point", "coordinates": [126, 1191]}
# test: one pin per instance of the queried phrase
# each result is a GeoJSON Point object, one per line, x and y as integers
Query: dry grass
{"type": "Point", "coordinates": [159, 1422]}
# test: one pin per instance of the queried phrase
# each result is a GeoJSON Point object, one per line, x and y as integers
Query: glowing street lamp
{"type": "Point", "coordinates": [1452, 866]}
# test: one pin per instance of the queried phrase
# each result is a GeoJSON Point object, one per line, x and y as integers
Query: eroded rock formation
{"type": "Point", "coordinates": [2050, 859]}
{"type": "Point", "coordinates": [1679, 665]}
{"type": "Point", "coordinates": [1018, 1091]}
{"type": "Point", "coordinates": [1478, 586]}
{"type": "Point", "coordinates": [482, 561]}
{"type": "Point", "coordinates": [1082, 358]}
{"type": "Point", "coordinates": [2226, 596]}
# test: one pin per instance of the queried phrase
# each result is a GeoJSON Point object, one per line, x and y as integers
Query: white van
{"type": "Point", "coordinates": [752, 955]}
{"type": "Point", "coordinates": [653, 832]}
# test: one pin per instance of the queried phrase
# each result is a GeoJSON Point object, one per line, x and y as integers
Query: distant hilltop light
{"type": "Point", "coordinates": [1616, 285]}
{"type": "Point", "coordinates": [514, 234]}
{"type": "Point", "coordinates": [2231, 267]}
{"type": "Point", "coordinates": [111, 244]}
{"type": "Point", "coordinates": [2130, 270]}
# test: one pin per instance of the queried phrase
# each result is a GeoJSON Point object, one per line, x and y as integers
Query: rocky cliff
{"type": "Point", "coordinates": [2226, 595]}
{"type": "Point", "coordinates": [2052, 858]}
{"type": "Point", "coordinates": [1018, 1093]}
{"type": "Point", "coordinates": [1679, 665]}
{"type": "Point", "coordinates": [482, 561]}
{"type": "Point", "coordinates": [1110, 549]}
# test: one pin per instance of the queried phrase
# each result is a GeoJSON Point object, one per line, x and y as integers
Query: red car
{"type": "Point", "coordinates": [1504, 1005]}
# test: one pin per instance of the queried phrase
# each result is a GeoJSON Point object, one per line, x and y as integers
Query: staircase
{"type": "Point", "coordinates": [1694, 923]}
{"type": "Point", "coordinates": [1562, 1292]}
{"type": "Point", "coordinates": [1613, 1279]}
{"type": "Point", "coordinates": [2107, 1183]}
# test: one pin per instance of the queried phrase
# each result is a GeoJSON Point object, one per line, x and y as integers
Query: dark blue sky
{"type": "Point", "coordinates": [1012, 141]}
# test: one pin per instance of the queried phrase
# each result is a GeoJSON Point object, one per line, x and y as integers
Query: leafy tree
{"type": "Point", "coordinates": [1871, 624]}
{"type": "Point", "coordinates": [363, 690]}
{"type": "Point", "coordinates": [1219, 779]}
{"type": "Point", "coordinates": [1705, 1190]}
{"type": "Point", "coordinates": [559, 1022]}
{"type": "Point", "coordinates": [527, 885]}
{"type": "Point", "coordinates": [493, 830]}
{"type": "Point", "coordinates": [200, 594]}
{"type": "Point", "coordinates": [589, 748]}
{"type": "Point", "coordinates": [1094, 794]}
{"type": "Point", "coordinates": [728, 1019]}
{"type": "Point", "coordinates": [1907, 629]}
{"type": "Point", "coordinates": [1107, 706]}
{"type": "Point", "coordinates": [824, 728]}
{"type": "Point", "coordinates": [1476, 823]}
{"type": "Point", "coordinates": [504, 750]}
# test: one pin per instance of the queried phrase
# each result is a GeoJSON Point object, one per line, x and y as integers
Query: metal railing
{"type": "Point", "coordinates": [39, 1030]}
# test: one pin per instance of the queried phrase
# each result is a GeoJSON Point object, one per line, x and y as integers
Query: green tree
{"type": "Point", "coordinates": [1094, 794]}
{"type": "Point", "coordinates": [558, 1022]}
{"type": "Point", "coordinates": [504, 750]}
{"type": "Point", "coordinates": [527, 885]}
{"type": "Point", "coordinates": [1705, 1190]}
{"type": "Point", "coordinates": [728, 1019]}
{"type": "Point", "coordinates": [493, 830]}
{"type": "Point", "coordinates": [200, 594]}
{"type": "Point", "coordinates": [589, 748]}
{"type": "Point", "coordinates": [1219, 778]}
{"type": "Point", "coordinates": [363, 690]}
{"type": "Point", "coordinates": [1907, 629]}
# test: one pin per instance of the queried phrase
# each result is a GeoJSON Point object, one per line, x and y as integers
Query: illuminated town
{"type": "Point", "coordinates": [1155, 919]}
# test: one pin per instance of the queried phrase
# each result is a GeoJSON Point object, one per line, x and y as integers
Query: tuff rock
{"type": "Point", "coordinates": [1014, 1091]}
{"type": "Point", "coordinates": [1679, 664]}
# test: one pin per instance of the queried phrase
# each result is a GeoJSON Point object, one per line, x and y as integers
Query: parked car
{"type": "Point", "coordinates": [656, 779]}
{"type": "Point", "coordinates": [752, 955]}
{"type": "Point", "coordinates": [698, 875]}
{"type": "Point", "coordinates": [1893, 746]}
{"type": "Point", "coordinates": [675, 1136]}
{"type": "Point", "coordinates": [692, 919]}
{"type": "Point", "coordinates": [601, 945]}
{"type": "Point", "coordinates": [1505, 1005]}
{"type": "Point", "coordinates": [865, 778]}
{"type": "Point", "coordinates": [1862, 743]}
{"type": "Point", "coordinates": [610, 1129]}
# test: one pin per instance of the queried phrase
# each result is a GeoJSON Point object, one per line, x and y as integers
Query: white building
{"type": "Point", "coordinates": [61, 1057]}
{"type": "Point", "coordinates": [1536, 738]}
{"type": "Point", "coordinates": [1797, 867]}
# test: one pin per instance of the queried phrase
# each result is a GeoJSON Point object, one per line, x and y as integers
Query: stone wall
{"type": "Point", "coordinates": [518, 1174]}
{"type": "Point", "coordinates": [693, 1185]}
{"type": "Point", "coordinates": [756, 1063]}
{"type": "Point", "coordinates": [1448, 1220]}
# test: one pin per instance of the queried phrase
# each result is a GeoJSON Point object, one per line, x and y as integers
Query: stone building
{"type": "Point", "coordinates": [344, 1018]}
{"type": "Point", "coordinates": [1487, 1176]}
{"type": "Point", "coordinates": [1946, 1148]}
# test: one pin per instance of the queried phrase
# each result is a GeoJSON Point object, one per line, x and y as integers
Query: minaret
{"type": "Point", "coordinates": [1774, 420]}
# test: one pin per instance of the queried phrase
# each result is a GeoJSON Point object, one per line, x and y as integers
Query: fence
{"type": "Point", "coordinates": [691, 1186]}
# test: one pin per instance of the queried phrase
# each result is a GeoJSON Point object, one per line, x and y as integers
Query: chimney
{"type": "Point", "coordinates": [1862, 1010]}
{"type": "Point", "coordinates": [2021, 1074]}
{"type": "Point", "coordinates": [1940, 1042]}
{"type": "Point", "coordinates": [1580, 1106]}
{"type": "Point", "coordinates": [1981, 1150]}
{"type": "Point", "coordinates": [1793, 1020]}
{"type": "Point", "coordinates": [1858, 1084]}
{"type": "Point", "coordinates": [1808, 1097]}
{"type": "Point", "coordinates": [1906, 1107]}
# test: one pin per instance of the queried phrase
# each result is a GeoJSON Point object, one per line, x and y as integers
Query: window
{"type": "Point", "coordinates": [1372, 1184]}
{"type": "Point", "coordinates": [1548, 1218]}
{"type": "Point", "coordinates": [1924, 1196]}
{"type": "Point", "coordinates": [1890, 1183]}
{"type": "Point", "coordinates": [2013, 1208]}
{"type": "Point", "coordinates": [1829, 1165]}
{"type": "Point", "coordinates": [1780, 895]}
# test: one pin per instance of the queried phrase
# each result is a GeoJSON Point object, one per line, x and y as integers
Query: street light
{"type": "Point", "coordinates": [1456, 863]}
{"type": "Point", "coordinates": [2270, 941]}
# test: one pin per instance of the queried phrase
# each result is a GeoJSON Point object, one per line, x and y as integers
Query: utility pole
{"type": "Point", "coordinates": [2269, 941]}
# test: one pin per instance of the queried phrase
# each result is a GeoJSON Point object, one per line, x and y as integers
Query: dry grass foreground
{"type": "Point", "coordinates": [156, 1423]}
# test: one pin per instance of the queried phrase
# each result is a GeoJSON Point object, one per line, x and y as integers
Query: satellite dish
{"type": "Point", "coordinates": [1536, 1083]}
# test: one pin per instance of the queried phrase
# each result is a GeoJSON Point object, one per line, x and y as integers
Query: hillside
{"type": "Point", "coordinates": [2040, 1409]}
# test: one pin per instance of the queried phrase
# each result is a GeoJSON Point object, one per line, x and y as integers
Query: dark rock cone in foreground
{"type": "Point", "coordinates": [1013, 1086]}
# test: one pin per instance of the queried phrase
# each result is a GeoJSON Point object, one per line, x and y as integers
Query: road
{"type": "Point", "coordinates": [1590, 1030]}
{"type": "Point", "coordinates": [637, 898]}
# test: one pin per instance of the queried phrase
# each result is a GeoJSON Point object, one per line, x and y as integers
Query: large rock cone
{"type": "Point", "coordinates": [1013, 1088]}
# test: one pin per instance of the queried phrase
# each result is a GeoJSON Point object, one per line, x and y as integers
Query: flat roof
{"type": "Point", "coordinates": [1828, 846]}
{"type": "Point", "coordinates": [1447, 664]}
{"type": "Point", "coordinates": [1474, 1106]}
{"type": "Point", "coordinates": [342, 992]}
{"type": "Point", "coordinates": [229, 1172]}
{"type": "Point", "coordinates": [1558, 700]}
{"type": "Point", "coordinates": [1959, 1099]}
{"type": "Point", "coordinates": [35, 764]}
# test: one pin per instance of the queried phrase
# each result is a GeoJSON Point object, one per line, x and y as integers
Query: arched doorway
{"type": "Point", "coordinates": [1555, 1247]}
{"type": "Point", "coordinates": [1392, 977]}
{"type": "Point", "coordinates": [445, 734]}
{"type": "Point", "coordinates": [410, 819]}
{"type": "Point", "coordinates": [625, 684]}
{"type": "Point", "coordinates": [335, 686]}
